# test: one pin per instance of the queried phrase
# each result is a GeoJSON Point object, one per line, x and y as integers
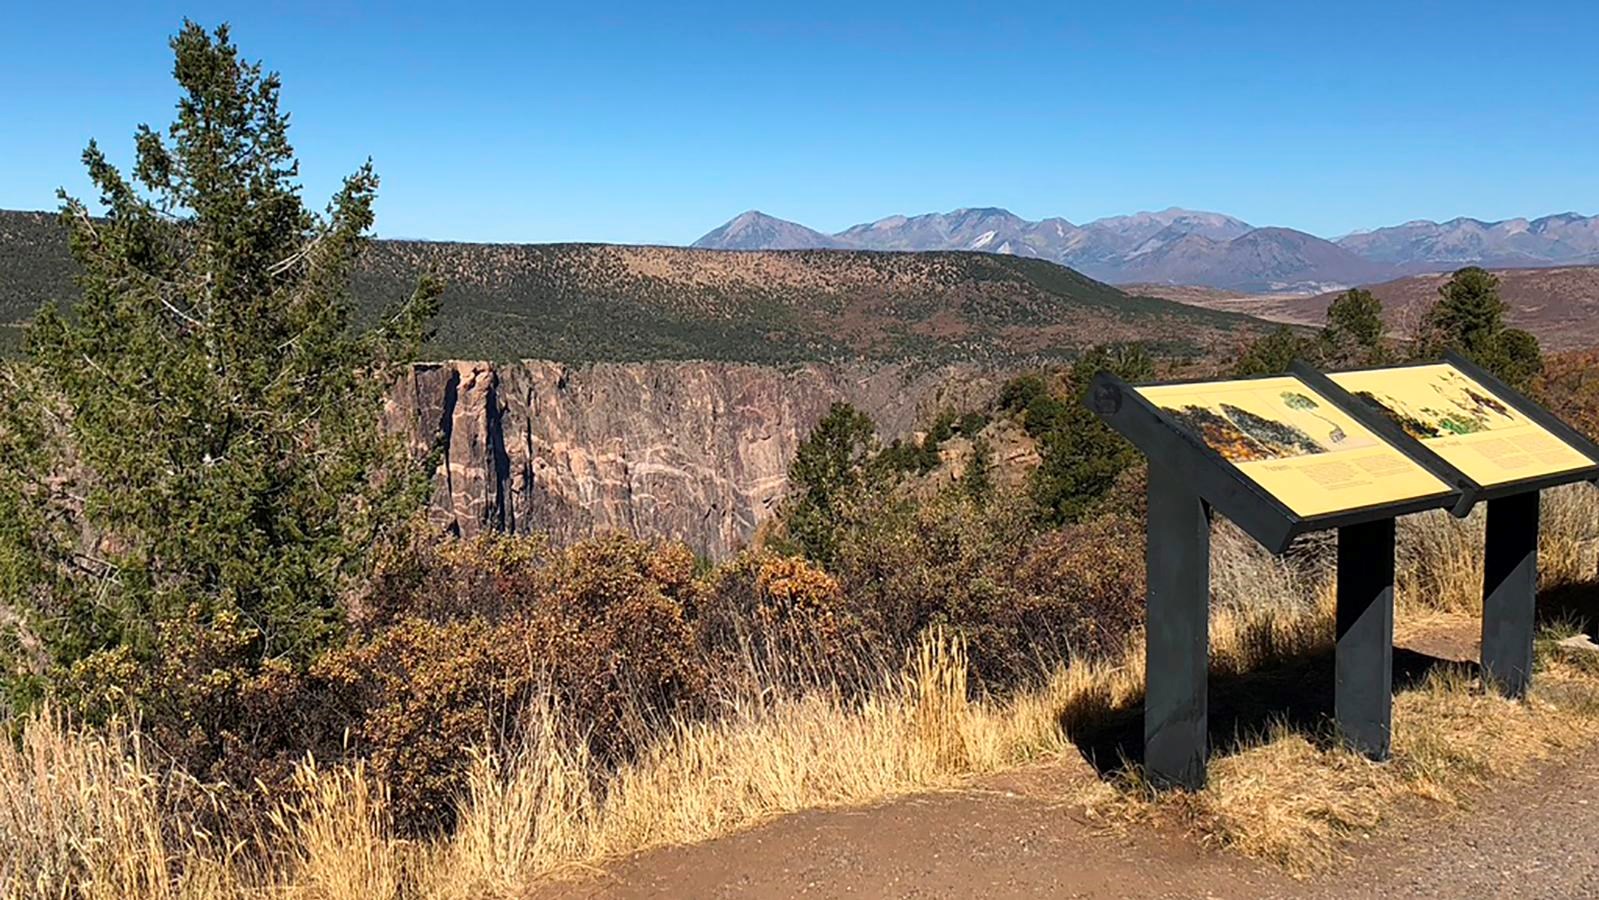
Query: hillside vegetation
{"type": "Point", "coordinates": [588, 302]}
{"type": "Point", "coordinates": [1560, 306]}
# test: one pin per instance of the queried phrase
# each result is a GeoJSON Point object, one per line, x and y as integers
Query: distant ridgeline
{"type": "Point", "coordinates": [593, 302]}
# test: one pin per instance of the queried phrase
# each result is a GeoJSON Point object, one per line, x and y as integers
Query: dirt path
{"type": "Point", "coordinates": [1014, 836]}
{"type": "Point", "coordinates": [1538, 838]}
{"type": "Point", "coordinates": [1008, 839]}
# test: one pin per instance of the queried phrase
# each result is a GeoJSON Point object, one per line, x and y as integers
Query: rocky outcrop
{"type": "Point", "coordinates": [693, 451]}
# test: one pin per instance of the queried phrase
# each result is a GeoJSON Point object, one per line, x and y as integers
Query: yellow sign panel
{"type": "Point", "coordinates": [1293, 442]}
{"type": "Point", "coordinates": [1463, 422]}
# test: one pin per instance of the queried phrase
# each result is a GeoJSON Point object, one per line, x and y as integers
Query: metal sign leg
{"type": "Point", "coordinates": [1363, 695]}
{"type": "Point", "coordinates": [1509, 592]}
{"type": "Point", "coordinates": [1177, 653]}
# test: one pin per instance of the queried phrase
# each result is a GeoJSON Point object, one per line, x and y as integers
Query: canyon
{"type": "Point", "coordinates": [693, 451]}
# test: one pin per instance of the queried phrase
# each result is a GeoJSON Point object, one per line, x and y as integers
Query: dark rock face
{"type": "Point", "coordinates": [693, 451]}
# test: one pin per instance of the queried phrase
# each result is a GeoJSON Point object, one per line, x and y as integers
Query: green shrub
{"type": "Point", "coordinates": [1031, 398]}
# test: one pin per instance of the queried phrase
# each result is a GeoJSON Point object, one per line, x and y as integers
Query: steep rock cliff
{"type": "Point", "coordinates": [693, 451]}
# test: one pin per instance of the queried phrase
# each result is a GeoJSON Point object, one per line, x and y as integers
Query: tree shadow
{"type": "Point", "coordinates": [1296, 693]}
{"type": "Point", "coordinates": [1575, 604]}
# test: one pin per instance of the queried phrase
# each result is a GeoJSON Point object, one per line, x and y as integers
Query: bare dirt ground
{"type": "Point", "coordinates": [1007, 839]}
{"type": "Point", "coordinates": [1018, 835]}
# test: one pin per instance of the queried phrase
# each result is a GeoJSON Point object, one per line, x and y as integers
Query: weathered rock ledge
{"type": "Point", "coordinates": [693, 451]}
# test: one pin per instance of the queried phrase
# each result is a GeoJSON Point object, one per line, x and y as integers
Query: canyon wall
{"type": "Point", "coordinates": [693, 451]}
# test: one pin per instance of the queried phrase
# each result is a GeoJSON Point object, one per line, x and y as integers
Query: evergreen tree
{"type": "Point", "coordinates": [1353, 335]}
{"type": "Point", "coordinates": [1469, 318]}
{"type": "Point", "coordinates": [1515, 357]}
{"type": "Point", "coordinates": [1081, 456]}
{"type": "Point", "coordinates": [978, 479]}
{"type": "Point", "coordinates": [1469, 314]}
{"type": "Point", "coordinates": [1272, 353]}
{"type": "Point", "coordinates": [828, 472]}
{"type": "Point", "coordinates": [216, 403]}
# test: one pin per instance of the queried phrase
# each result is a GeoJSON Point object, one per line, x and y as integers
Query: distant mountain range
{"type": "Point", "coordinates": [1180, 246]}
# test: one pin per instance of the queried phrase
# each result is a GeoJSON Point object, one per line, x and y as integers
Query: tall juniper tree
{"type": "Point", "coordinates": [201, 423]}
{"type": "Point", "coordinates": [1469, 317]}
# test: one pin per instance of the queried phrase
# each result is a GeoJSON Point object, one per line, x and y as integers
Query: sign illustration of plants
{"type": "Point", "coordinates": [1448, 404]}
{"type": "Point", "coordinates": [1462, 421]}
{"type": "Point", "coordinates": [1269, 422]}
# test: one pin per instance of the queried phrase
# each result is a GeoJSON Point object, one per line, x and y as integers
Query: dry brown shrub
{"type": "Point", "coordinates": [777, 618]}
{"type": "Point", "coordinates": [417, 693]}
{"type": "Point", "coordinates": [1086, 583]}
{"type": "Point", "coordinates": [1569, 386]}
{"type": "Point", "coordinates": [598, 629]}
{"type": "Point", "coordinates": [1023, 601]}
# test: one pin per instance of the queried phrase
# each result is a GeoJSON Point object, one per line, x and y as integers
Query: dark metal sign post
{"type": "Point", "coordinates": [1510, 592]}
{"type": "Point", "coordinates": [1363, 695]}
{"type": "Point", "coordinates": [1177, 649]}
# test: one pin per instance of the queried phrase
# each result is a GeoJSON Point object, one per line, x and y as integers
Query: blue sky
{"type": "Point", "coordinates": [621, 122]}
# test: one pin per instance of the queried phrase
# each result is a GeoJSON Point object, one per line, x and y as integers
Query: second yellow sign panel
{"type": "Point", "coordinates": [1463, 421]}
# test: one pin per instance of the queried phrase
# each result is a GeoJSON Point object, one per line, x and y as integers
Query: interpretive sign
{"type": "Point", "coordinates": [1464, 421]}
{"type": "Point", "coordinates": [1279, 456]}
{"type": "Point", "coordinates": [1284, 455]}
{"type": "Point", "coordinates": [1296, 444]}
{"type": "Point", "coordinates": [1494, 444]}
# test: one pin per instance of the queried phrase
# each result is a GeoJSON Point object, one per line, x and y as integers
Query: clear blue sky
{"type": "Point", "coordinates": [622, 122]}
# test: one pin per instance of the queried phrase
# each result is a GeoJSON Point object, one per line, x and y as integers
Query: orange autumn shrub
{"type": "Point", "coordinates": [460, 643]}
{"type": "Point", "coordinates": [782, 616]}
{"type": "Point", "coordinates": [416, 694]}
{"type": "Point", "coordinates": [458, 638]}
{"type": "Point", "coordinates": [609, 628]}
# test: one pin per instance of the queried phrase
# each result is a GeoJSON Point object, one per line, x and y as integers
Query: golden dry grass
{"type": "Point", "coordinates": [87, 813]}
{"type": "Point", "coordinates": [1296, 801]}
{"type": "Point", "coordinates": [1295, 798]}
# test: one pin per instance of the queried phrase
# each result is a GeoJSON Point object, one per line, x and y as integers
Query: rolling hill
{"type": "Point", "coordinates": [1559, 305]}
{"type": "Point", "coordinates": [585, 302]}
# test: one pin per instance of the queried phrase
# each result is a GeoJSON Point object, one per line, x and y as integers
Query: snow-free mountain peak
{"type": "Point", "coordinates": [755, 230]}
